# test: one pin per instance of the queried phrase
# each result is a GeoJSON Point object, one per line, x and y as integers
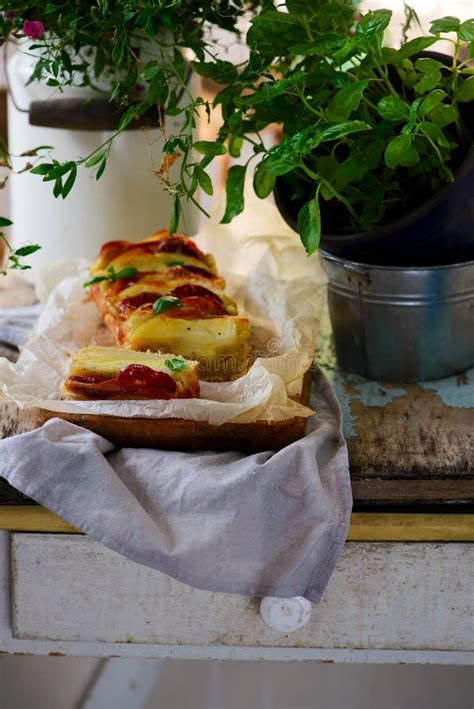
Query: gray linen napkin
{"type": "Point", "coordinates": [17, 323]}
{"type": "Point", "coordinates": [272, 523]}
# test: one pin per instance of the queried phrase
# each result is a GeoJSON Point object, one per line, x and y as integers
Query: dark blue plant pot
{"type": "Point", "coordinates": [440, 231]}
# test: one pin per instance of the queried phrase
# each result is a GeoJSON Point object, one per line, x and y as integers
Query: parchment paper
{"type": "Point", "coordinates": [275, 284]}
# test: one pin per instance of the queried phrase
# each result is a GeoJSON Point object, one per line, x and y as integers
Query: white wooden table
{"type": "Point", "coordinates": [402, 591]}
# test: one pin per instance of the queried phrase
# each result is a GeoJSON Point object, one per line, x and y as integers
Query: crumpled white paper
{"type": "Point", "coordinates": [273, 281]}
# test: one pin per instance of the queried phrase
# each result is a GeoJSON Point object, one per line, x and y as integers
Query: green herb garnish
{"type": "Point", "coordinates": [112, 275]}
{"type": "Point", "coordinates": [175, 364]}
{"type": "Point", "coordinates": [175, 263]}
{"type": "Point", "coordinates": [166, 302]}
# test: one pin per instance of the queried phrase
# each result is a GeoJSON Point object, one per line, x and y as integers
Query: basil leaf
{"type": "Point", "coordinates": [466, 31]}
{"type": "Point", "coordinates": [93, 281]}
{"type": "Point", "coordinates": [401, 151]}
{"type": "Point", "coordinates": [235, 145]}
{"type": "Point", "coordinates": [220, 71]}
{"type": "Point", "coordinates": [435, 133]}
{"type": "Point", "coordinates": [209, 148]}
{"type": "Point", "coordinates": [204, 181]}
{"type": "Point", "coordinates": [430, 101]}
{"type": "Point", "coordinates": [346, 100]}
{"type": "Point", "coordinates": [166, 302]}
{"type": "Point", "coordinates": [443, 115]}
{"type": "Point", "coordinates": [234, 190]}
{"type": "Point", "coordinates": [5, 222]}
{"type": "Point", "coordinates": [414, 46]}
{"type": "Point", "coordinates": [175, 215]}
{"type": "Point", "coordinates": [372, 23]}
{"type": "Point", "coordinates": [340, 130]}
{"type": "Point", "coordinates": [128, 272]}
{"type": "Point", "coordinates": [466, 92]}
{"type": "Point", "coordinates": [175, 364]}
{"type": "Point", "coordinates": [428, 81]}
{"type": "Point", "coordinates": [392, 108]}
{"type": "Point", "coordinates": [309, 224]}
{"type": "Point", "coordinates": [445, 24]}
{"type": "Point", "coordinates": [263, 182]}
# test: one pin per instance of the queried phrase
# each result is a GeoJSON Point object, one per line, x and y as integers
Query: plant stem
{"type": "Point", "coordinates": [340, 198]}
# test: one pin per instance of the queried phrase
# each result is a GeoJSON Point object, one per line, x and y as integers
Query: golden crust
{"type": "Point", "coordinates": [97, 373]}
{"type": "Point", "coordinates": [206, 327]}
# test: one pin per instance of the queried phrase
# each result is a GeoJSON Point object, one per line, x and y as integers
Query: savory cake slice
{"type": "Point", "coordinates": [158, 252]}
{"type": "Point", "coordinates": [219, 342]}
{"type": "Point", "coordinates": [147, 288]}
{"type": "Point", "coordinates": [112, 373]}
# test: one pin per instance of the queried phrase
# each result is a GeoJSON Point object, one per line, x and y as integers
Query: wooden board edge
{"type": "Point", "coordinates": [365, 526]}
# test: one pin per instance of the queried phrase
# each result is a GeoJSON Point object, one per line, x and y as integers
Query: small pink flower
{"type": "Point", "coordinates": [33, 29]}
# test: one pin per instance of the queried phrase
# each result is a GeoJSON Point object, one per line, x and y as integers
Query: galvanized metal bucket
{"type": "Point", "coordinates": [401, 324]}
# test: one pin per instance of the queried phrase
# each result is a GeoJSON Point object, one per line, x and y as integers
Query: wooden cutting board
{"type": "Point", "coordinates": [182, 434]}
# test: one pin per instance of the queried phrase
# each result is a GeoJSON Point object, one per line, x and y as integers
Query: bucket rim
{"type": "Point", "coordinates": [372, 266]}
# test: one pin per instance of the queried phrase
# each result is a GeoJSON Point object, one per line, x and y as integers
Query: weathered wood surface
{"type": "Point", "coordinates": [381, 596]}
{"type": "Point", "coordinates": [410, 444]}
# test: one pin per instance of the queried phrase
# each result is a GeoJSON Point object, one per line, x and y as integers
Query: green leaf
{"type": "Point", "coordinates": [235, 145]}
{"type": "Point", "coordinates": [27, 250]}
{"type": "Point", "coordinates": [346, 100]}
{"type": "Point", "coordinates": [430, 101]}
{"type": "Point", "coordinates": [427, 65]}
{"type": "Point", "coordinates": [130, 114]}
{"type": "Point", "coordinates": [263, 182]}
{"type": "Point", "coordinates": [209, 148]}
{"type": "Point", "coordinates": [175, 364]}
{"type": "Point", "coordinates": [93, 281]}
{"type": "Point", "coordinates": [68, 185]}
{"type": "Point", "coordinates": [309, 224]}
{"type": "Point", "coordinates": [414, 108]}
{"type": "Point", "coordinates": [445, 24]}
{"type": "Point", "coordinates": [157, 91]}
{"type": "Point", "coordinates": [166, 302]}
{"type": "Point", "coordinates": [443, 115]}
{"type": "Point", "coordinates": [5, 222]}
{"type": "Point", "coordinates": [373, 22]}
{"type": "Point", "coordinates": [414, 46]}
{"type": "Point", "coordinates": [234, 190]}
{"type": "Point", "coordinates": [466, 31]}
{"type": "Point", "coordinates": [340, 130]}
{"type": "Point", "coordinates": [401, 151]}
{"type": "Point", "coordinates": [151, 70]}
{"type": "Point", "coordinates": [42, 169]}
{"type": "Point", "coordinates": [272, 32]}
{"type": "Point", "coordinates": [101, 169]}
{"type": "Point", "coordinates": [466, 91]}
{"type": "Point", "coordinates": [175, 215]}
{"type": "Point", "coordinates": [127, 272]}
{"type": "Point", "coordinates": [97, 157]}
{"type": "Point", "coordinates": [220, 71]}
{"type": "Point", "coordinates": [204, 181]}
{"type": "Point", "coordinates": [392, 108]}
{"type": "Point", "coordinates": [435, 133]}
{"type": "Point", "coordinates": [428, 81]}
{"type": "Point", "coordinates": [58, 187]}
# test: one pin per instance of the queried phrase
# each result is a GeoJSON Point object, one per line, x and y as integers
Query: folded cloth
{"type": "Point", "coordinates": [16, 323]}
{"type": "Point", "coordinates": [272, 523]}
